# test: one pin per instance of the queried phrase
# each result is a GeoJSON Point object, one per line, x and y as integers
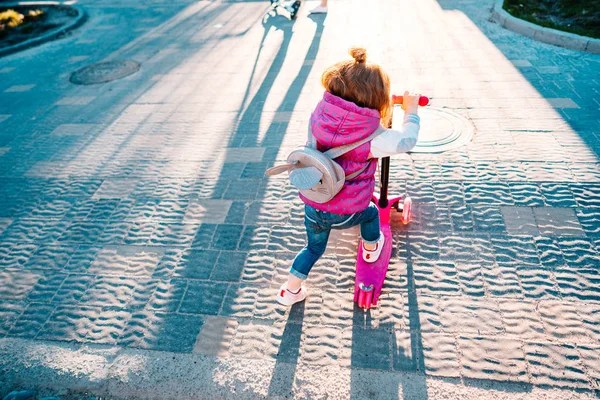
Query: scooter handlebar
{"type": "Point", "coordinates": [423, 100]}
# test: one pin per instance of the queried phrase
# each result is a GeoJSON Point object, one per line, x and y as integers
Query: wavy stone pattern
{"type": "Point", "coordinates": [493, 358]}
{"type": "Point", "coordinates": [555, 365]}
{"type": "Point", "coordinates": [160, 230]}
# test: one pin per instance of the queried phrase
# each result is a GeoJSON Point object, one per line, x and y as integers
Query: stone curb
{"type": "Point", "coordinates": [546, 35]}
{"type": "Point", "coordinates": [80, 19]}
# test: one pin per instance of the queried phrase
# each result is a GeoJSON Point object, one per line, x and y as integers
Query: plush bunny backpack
{"type": "Point", "coordinates": [315, 174]}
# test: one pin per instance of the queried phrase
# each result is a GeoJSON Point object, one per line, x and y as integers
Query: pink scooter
{"type": "Point", "coordinates": [370, 276]}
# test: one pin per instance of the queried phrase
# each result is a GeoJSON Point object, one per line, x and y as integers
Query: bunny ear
{"type": "Point", "coordinates": [280, 169]}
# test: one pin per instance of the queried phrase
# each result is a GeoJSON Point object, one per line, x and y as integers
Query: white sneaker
{"type": "Point", "coordinates": [288, 298]}
{"type": "Point", "coordinates": [318, 10]}
{"type": "Point", "coordinates": [371, 256]}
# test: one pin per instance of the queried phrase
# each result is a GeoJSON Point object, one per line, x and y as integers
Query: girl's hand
{"type": "Point", "coordinates": [410, 102]}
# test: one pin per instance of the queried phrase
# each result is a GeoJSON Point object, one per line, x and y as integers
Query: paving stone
{"type": "Point", "coordinates": [109, 291]}
{"type": "Point", "coordinates": [10, 312]}
{"type": "Point", "coordinates": [108, 325]}
{"type": "Point", "coordinates": [115, 188]}
{"type": "Point", "coordinates": [247, 154]}
{"type": "Point", "coordinates": [519, 221]}
{"type": "Point", "coordinates": [167, 234]}
{"type": "Point", "coordinates": [562, 103]}
{"type": "Point", "coordinates": [579, 284]}
{"type": "Point", "coordinates": [568, 327]}
{"type": "Point", "coordinates": [558, 195]}
{"type": "Point", "coordinates": [470, 278]}
{"type": "Point", "coordinates": [462, 219]}
{"type": "Point", "coordinates": [267, 212]}
{"type": "Point", "coordinates": [555, 365]}
{"type": "Point", "coordinates": [203, 298]}
{"type": "Point", "coordinates": [73, 129]}
{"type": "Point", "coordinates": [440, 357]}
{"type": "Point", "coordinates": [31, 320]}
{"type": "Point", "coordinates": [257, 339]}
{"type": "Point", "coordinates": [319, 345]}
{"type": "Point", "coordinates": [590, 357]}
{"type": "Point", "coordinates": [69, 323]}
{"type": "Point", "coordinates": [371, 348]}
{"type": "Point", "coordinates": [538, 282]}
{"type": "Point", "coordinates": [46, 287]}
{"type": "Point", "coordinates": [424, 247]}
{"type": "Point", "coordinates": [16, 284]}
{"type": "Point", "coordinates": [495, 358]}
{"type": "Point", "coordinates": [126, 261]}
{"type": "Point", "coordinates": [19, 88]}
{"type": "Point", "coordinates": [470, 315]}
{"type": "Point", "coordinates": [197, 264]}
{"type": "Point", "coordinates": [558, 221]}
{"type": "Point", "coordinates": [239, 301]}
{"type": "Point", "coordinates": [435, 277]}
{"type": "Point", "coordinates": [549, 252]}
{"type": "Point", "coordinates": [171, 332]}
{"type": "Point", "coordinates": [518, 251]}
{"type": "Point", "coordinates": [579, 252]}
{"type": "Point", "coordinates": [75, 101]}
{"type": "Point", "coordinates": [487, 219]}
{"type": "Point", "coordinates": [586, 195]}
{"type": "Point", "coordinates": [521, 319]}
{"type": "Point", "coordinates": [216, 336]}
{"type": "Point", "coordinates": [208, 211]}
{"type": "Point", "coordinates": [227, 237]}
{"type": "Point", "coordinates": [254, 237]}
{"type": "Point", "coordinates": [229, 266]}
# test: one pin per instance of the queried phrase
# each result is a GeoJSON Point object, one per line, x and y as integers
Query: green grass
{"type": "Point", "coordinates": [576, 16]}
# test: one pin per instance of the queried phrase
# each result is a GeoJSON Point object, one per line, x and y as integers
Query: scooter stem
{"type": "Point", "coordinates": [384, 182]}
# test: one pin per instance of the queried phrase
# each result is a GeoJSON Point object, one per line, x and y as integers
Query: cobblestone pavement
{"type": "Point", "coordinates": [136, 213]}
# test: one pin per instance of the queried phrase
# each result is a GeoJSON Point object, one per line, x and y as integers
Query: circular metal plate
{"type": "Point", "coordinates": [104, 72]}
{"type": "Point", "coordinates": [441, 130]}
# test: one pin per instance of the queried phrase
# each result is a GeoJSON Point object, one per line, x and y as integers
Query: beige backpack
{"type": "Point", "coordinates": [315, 174]}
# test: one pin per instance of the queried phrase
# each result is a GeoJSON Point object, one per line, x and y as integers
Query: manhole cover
{"type": "Point", "coordinates": [441, 130]}
{"type": "Point", "coordinates": [104, 72]}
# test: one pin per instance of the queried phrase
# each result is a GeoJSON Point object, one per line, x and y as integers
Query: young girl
{"type": "Point", "coordinates": [356, 103]}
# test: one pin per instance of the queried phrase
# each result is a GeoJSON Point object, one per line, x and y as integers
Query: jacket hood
{"type": "Point", "coordinates": [336, 122]}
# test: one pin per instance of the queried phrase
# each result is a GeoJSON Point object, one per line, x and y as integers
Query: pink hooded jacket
{"type": "Point", "coordinates": [336, 122]}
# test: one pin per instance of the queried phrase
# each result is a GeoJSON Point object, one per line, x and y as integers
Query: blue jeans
{"type": "Point", "coordinates": [318, 226]}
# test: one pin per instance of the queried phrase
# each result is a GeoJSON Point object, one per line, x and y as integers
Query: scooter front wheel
{"type": "Point", "coordinates": [406, 210]}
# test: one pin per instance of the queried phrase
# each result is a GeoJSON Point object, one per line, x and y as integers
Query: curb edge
{"type": "Point", "coordinates": [543, 34]}
{"type": "Point", "coordinates": [54, 34]}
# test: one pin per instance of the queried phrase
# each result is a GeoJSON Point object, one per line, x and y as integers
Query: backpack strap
{"type": "Point", "coordinates": [341, 150]}
{"type": "Point", "coordinates": [357, 173]}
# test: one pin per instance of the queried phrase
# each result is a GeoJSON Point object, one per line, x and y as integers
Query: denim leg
{"type": "Point", "coordinates": [314, 249]}
{"type": "Point", "coordinates": [369, 224]}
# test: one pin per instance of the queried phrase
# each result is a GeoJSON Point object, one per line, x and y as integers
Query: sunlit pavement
{"type": "Point", "coordinates": [135, 215]}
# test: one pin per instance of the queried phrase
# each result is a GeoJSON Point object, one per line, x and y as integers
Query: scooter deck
{"type": "Point", "coordinates": [370, 276]}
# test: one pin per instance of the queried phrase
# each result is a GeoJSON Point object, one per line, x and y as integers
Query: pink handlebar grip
{"type": "Point", "coordinates": [423, 100]}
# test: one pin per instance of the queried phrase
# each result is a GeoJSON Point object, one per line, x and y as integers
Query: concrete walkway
{"type": "Point", "coordinates": [141, 244]}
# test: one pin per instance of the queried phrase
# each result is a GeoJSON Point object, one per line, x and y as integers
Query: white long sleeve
{"type": "Point", "coordinates": [394, 141]}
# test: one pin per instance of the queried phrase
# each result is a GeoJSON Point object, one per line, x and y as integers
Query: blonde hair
{"type": "Point", "coordinates": [365, 84]}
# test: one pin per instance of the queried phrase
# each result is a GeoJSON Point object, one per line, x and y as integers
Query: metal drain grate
{"type": "Point", "coordinates": [104, 72]}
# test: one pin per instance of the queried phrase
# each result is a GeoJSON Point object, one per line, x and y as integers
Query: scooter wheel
{"type": "Point", "coordinates": [295, 8]}
{"type": "Point", "coordinates": [406, 211]}
{"type": "Point", "coordinates": [365, 299]}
